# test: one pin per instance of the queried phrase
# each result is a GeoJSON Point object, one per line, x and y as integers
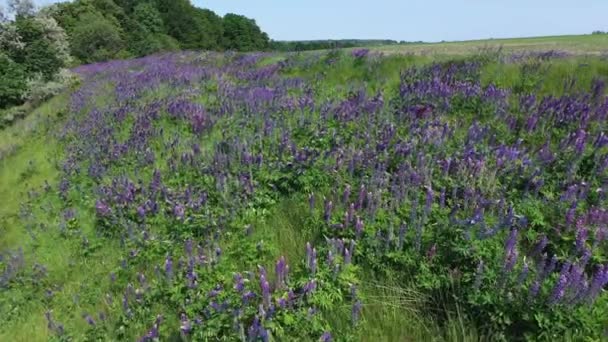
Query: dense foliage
{"type": "Point", "coordinates": [32, 47]}
{"type": "Point", "coordinates": [255, 197]}
{"type": "Point", "coordinates": [143, 27]}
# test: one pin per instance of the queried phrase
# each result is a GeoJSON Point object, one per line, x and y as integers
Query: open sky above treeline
{"type": "Point", "coordinates": [429, 20]}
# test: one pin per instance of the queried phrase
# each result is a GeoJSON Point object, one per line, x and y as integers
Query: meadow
{"type": "Point", "coordinates": [590, 44]}
{"type": "Point", "coordinates": [330, 196]}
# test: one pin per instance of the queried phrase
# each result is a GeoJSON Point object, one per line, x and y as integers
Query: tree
{"type": "Point", "coordinates": [243, 34]}
{"type": "Point", "coordinates": [13, 82]}
{"type": "Point", "coordinates": [95, 38]}
{"type": "Point", "coordinates": [149, 17]}
{"type": "Point", "coordinates": [39, 53]}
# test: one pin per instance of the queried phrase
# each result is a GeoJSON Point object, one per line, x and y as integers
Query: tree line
{"type": "Point", "coordinates": [38, 45]}
{"type": "Point", "coordinates": [307, 45]}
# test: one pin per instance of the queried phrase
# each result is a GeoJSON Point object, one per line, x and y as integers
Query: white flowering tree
{"type": "Point", "coordinates": [41, 56]}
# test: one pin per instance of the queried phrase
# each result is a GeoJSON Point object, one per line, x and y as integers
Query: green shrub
{"type": "Point", "coordinates": [96, 39]}
{"type": "Point", "coordinates": [13, 82]}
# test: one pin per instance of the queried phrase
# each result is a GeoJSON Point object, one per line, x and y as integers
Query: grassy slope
{"type": "Point", "coordinates": [33, 162]}
{"type": "Point", "coordinates": [579, 44]}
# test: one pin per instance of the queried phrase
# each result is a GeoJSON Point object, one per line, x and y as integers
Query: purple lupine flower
{"type": "Point", "coordinates": [185, 325]}
{"type": "Point", "coordinates": [523, 275]}
{"type": "Point", "coordinates": [239, 283]}
{"type": "Point", "coordinates": [168, 267]}
{"type": "Point", "coordinates": [141, 212]}
{"type": "Point", "coordinates": [346, 194]}
{"type": "Point", "coordinates": [326, 337]}
{"type": "Point", "coordinates": [358, 227]}
{"type": "Point", "coordinates": [360, 53]}
{"type": "Point", "coordinates": [361, 198]}
{"type": "Point", "coordinates": [581, 239]}
{"type": "Point", "coordinates": [310, 287]}
{"type": "Point", "coordinates": [254, 329]}
{"type": "Point", "coordinates": [534, 289]}
{"type": "Point", "coordinates": [265, 287]}
{"type": "Point", "coordinates": [327, 212]}
{"type": "Point", "coordinates": [103, 209]}
{"type": "Point", "coordinates": [247, 296]}
{"type": "Point", "coordinates": [308, 254]}
{"type": "Point", "coordinates": [559, 290]}
{"type": "Point", "coordinates": [550, 266]}
{"type": "Point", "coordinates": [599, 281]}
{"type": "Point", "coordinates": [179, 211]}
{"type": "Point", "coordinates": [442, 198]}
{"type": "Point", "coordinates": [281, 270]}
{"type": "Point", "coordinates": [570, 214]}
{"type": "Point", "coordinates": [585, 258]}
{"type": "Point", "coordinates": [347, 257]}
{"type": "Point", "coordinates": [540, 246]}
{"type": "Point", "coordinates": [429, 200]}
{"type": "Point", "coordinates": [356, 311]}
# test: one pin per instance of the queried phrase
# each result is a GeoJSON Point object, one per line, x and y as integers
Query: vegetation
{"type": "Point", "coordinates": [36, 45]}
{"type": "Point", "coordinates": [142, 27]}
{"type": "Point", "coordinates": [308, 45]}
{"type": "Point", "coordinates": [32, 47]}
{"type": "Point", "coordinates": [590, 44]}
{"type": "Point", "coordinates": [330, 196]}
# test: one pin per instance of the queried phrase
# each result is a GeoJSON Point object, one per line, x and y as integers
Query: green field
{"type": "Point", "coordinates": [575, 44]}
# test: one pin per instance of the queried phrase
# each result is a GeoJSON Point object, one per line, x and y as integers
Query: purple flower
{"type": "Point", "coordinates": [281, 270]}
{"type": "Point", "coordinates": [141, 212]}
{"type": "Point", "coordinates": [358, 227]}
{"type": "Point", "coordinates": [103, 209]}
{"type": "Point", "coordinates": [346, 194]}
{"type": "Point", "coordinates": [185, 325]}
{"type": "Point", "coordinates": [265, 286]}
{"type": "Point", "coordinates": [328, 208]}
{"type": "Point", "coordinates": [360, 53]}
{"type": "Point", "coordinates": [179, 211]}
{"type": "Point", "coordinates": [239, 283]}
{"type": "Point", "coordinates": [558, 290]}
{"type": "Point", "coordinates": [581, 238]}
{"type": "Point", "coordinates": [540, 246]}
{"type": "Point", "coordinates": [326, 337]}
{"type": "Point", "coordinates": [356, 311]}
{"type": "Point", "coordinates": [168, 267]}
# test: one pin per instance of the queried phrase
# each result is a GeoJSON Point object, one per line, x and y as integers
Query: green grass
{"type": "Point", "coordinates": [575, 44]}
{"type": "Point", "coordinates": [32, 157]}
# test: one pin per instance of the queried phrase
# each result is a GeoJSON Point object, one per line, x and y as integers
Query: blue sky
{"type": "Point", "coordinates": [428, 20]}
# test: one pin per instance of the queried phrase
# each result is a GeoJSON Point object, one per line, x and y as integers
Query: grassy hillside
{"type": "Point", "coordinates": [576, 45]}
{"type": "Point", "coordinates": [203, 196]}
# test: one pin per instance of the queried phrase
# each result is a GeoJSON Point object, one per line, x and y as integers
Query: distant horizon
{"type": "Point", "coordinates": [432, 21]}
{"type": "Point", "coordinates": [436, 42]}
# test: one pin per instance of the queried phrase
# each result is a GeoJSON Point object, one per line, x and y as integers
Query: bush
{"type": "Point", "coordinates": [95, 39]}
{"type": "Point", "coordinates": [39, 54]}
{"type": "Point", "coordinates": [13, 83]}
{"type": "Point", "coordinates": [40, 90]}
